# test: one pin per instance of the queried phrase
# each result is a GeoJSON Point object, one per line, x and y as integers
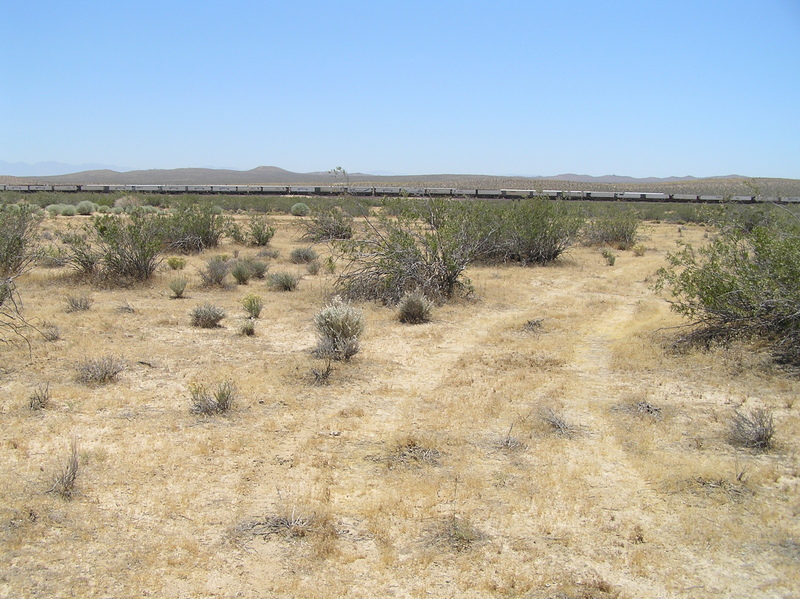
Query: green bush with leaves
{"type": "Point", "coordinates": [329, 224]}
{"type": "Point", "coordinates": [741, 283]}
{"type": "Point", "coordinates": [283, 281]}
{"type": "Point", "coordinates": [260, 229]}
{"type": "Point", "coordinates": [241, 272]}
{"type": "Point", "coordinates": [300, 209]}
{"type": "Point", "coordinates": [426, 246]}
{"type": "Point", "coordinates": [253, 305]}
{"type": "Point", "coordinates": [194, 227]}
{"type": "Point", "coordinates": [617, 227]}
{"type": "Point", "coordinates": [19, 226]}
{"type": "Point", "coordinates": [131, 246]}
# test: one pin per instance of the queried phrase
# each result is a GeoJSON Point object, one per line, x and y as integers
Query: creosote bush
{"type": "Point", "coordinates": [618, 228]}
{"type": "Point", "coordinates": [218, 400]}
{"type": "Point", "coordinates": [414, 308]}
{"type": "Point", "coordinates": [753, 429]}
{"type": "Point", "coordinates": [261, 230]}
{"type": "Point", "coordinates": [327, 225]}
{"type": "Point", "coordinates": [99, 371]}
{"type": "Point", "coordinates": [339, 327]}
{"type": "Point", "coordinates": [207, 316]}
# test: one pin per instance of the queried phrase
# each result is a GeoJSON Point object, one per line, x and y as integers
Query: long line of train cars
{"type": "Point", "coordinates": [306, 190]}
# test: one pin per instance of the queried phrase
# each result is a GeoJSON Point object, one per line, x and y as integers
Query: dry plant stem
{"type": "Point", "coordinates": [64, 484]}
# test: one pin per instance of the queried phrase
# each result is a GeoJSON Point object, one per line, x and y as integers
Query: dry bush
{"type": "Point", "coordinates": [247, 328]}
{"type": "Point", "coordinates": [457, 534]}
{"type": "Point", "coordinates": [178, 286]}
{"type": "Point", "coordinates": [213, 401]}
{"type": "Point", "coordinates": [206, 316]}
{"type": "Point", "coordinates": [215, 272]}
{"type": "Point", "coordinates": [558, 424]}
{"type": "Point", "coordinates": [78, 303]}
{"type": "Point", "coordinates": [412, 451]}
{"type": "Point", "coordinates": [414, 308]}
{"type": "Point", "coordinates": [303, 256]}
{"type": "Point", "coordinates": [50, 332]}
{"type": "Point", "coordinates": [40, 398]}
{"type": "Point", "coordinates": [99, 371]}
{"type": "Point", "coordinates": [65, 481]}
{"type": "Point", "coordinates": [282, 281]}
{"type": "Point", "coordinates": [327, 225]}
{"type": "Point", "coordinates": [754, 429]}
{"type": "Point", "coordinates": [339, 327]}
{"type": "Point", "coordinates": [322, 375]}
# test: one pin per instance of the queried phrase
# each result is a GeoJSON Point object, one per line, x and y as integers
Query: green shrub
{"type": "Point", "coordinates": [339, 327]}
{"type": "Point", "coordinates": [247, 328]}
{"type": "Point", "coordinates": [329, 224]}
{"type": "Point", "coordinates": [300, 209]}
{"type": "Point", "coordinates": [313, 267]}
{"type": "Point", "coordinates": [86, 208]}
{"type": "Point", "coordinates": [131, 246]}
{"type": "Point", "coordinates": [258, 268]}
{"type": "Point", "coordinates": [19, 227]}
{"type": "Point", "coordinates": [741, 283]}
{"type": "Point", "coordinates": [80, 254]}
{"type": "Point", "coordinates": [215, 272]}
{"type": "Point", "coordinates": [241, 272]}
{"type": "Point", "coordinates": [178, 286]}
{"type": "Point", "coordinates": [414, 308]}
{"type": "Point", "coordinates": [252, 304]}
{"type": "Point", "coordinates": [261, 230]}
{"type": "Point", "coordinates": [69, 210]}
{"type": "Point", "coordinates": [617, 227]}
{"type": "Point", "coordinates": [194, 227]}
{"type": "Point", "coordinates": [610, 257]}
{"type": "Point", "coordinates": [283, 281]}
{"type": "Point", "coordinates": [207, 316]}
{"type": "Point", "coordinates": [213, 401]}
{"type": "Point", "coordinates": [176, 263]}
{"type": "Point", "coordinates": [303, 256]}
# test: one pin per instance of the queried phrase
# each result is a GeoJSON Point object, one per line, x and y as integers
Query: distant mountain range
{"type": "Point", "coordinates": [44, 169]}
{"type": "Point", "coordinates": [272, 175]}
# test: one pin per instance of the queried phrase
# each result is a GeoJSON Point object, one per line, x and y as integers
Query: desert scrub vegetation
{"type": "Point", "coordinates": [99, 371]}
{"type": "Point", "coordinates": [78, 303]}
{"type": "Point", "coordinates": [300, 209]}
{"type": "Point", "coordinates": [19, 239]}
{"type": "Point", "coordinates": [215, 271]}
{"type": "Point", "coordinates": [206, 316]}
{"type": "Point", "coordinates": [743, 283]}
{"type": "Point", "coordinates": [260, 229]}
{"type": "Point", "coordinates": [417, 244]}
{"type": "Point", "coordinates": [195, 226]}
{"type": "Point", "coordinates": [615, 227]}
{"type": "Point", "coordinates": [241, 272]}
{"type": "Point", "coordinates": [178, 286]}
{"type": "Point", "coordinates": [753, 429]}
{"type": "Point", "coordinates": [303, 256]}
{"type": "Point", "coordinates": [216, 400]}
{"type": "Point", "coordinates": [176, 263]}
{"type": "Point", "coordinates": [339, 327]}
{"type": "Point", "coordinates": [328, 224]}
{"type": "Point", "coordinates": [65, 482]}
{"type": "Point", "coordinates": [414, 308]}
{"type": "Point", "coordinates": [40, 398]}
{"type": "Point", "coordinates": [252, 304]}
{"type": "Point", "coordinates": [282, 281]}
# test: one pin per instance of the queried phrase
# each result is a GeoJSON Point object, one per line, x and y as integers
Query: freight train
{"type": "Point", "coordinates": [329, 190]}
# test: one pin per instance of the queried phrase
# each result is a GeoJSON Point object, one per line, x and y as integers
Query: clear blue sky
{"type": "Point", "coordinates": [639, 88]}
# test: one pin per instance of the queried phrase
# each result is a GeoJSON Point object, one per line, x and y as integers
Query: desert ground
{"type": "Point", "coordinates": [538, 439]}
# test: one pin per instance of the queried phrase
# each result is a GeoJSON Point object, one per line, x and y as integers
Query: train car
{"type": "Point", "coordinates": [488, 193]}
{"type": "Point", "coordinates": [516, 194]}
{"type": "Point", "coordinates": [248, 189]}
{"type": "Point", "coordinates": [330, 190]}
{"type": "Point", "coordinates": [711, 198]}
{"type": "Point", "coordinates": [147, 188]}
{"type": "Point", "coordinates": [174, 188]}
{"type": "Point", "coordinates": [387, 191]}
{"type": "Point", "coordinates": [16, 187]}
{"type": "Point", "coordinates": [465, 193]}
{"type": "Point", "coordinates": [601, 195]}
{"type": "Point", "coordinates": [630, 195]}
{"type": "Point", "coordinates": [574, 195]}
{"type": "Point", "coordinates": [438, 191]}
{"type": "Point", "coordinates": [223, 189]}
{"type": "Point", "coordinates": [303, 190]}
{"type": "Point", "coordinates": [65, 188]}
{"type": "Point", "coordinates": [40, 188]}
{"type": "Point", "coordinates": [742, 199]}
{"type": "Point", "coordinates": [552, 193]}
{"type": "Point", "coordinates": [361, 191]}
{"type": "Point", "coordinates": [415, 192]}
{"type": "Point", "coordinates": [198, 188]}
{"type": "Point", "coordinates": [274, 189]}
{"type": "Point", "coordinates": [684, 197]}
{"type": "Point", "coordinates": [655, 197]}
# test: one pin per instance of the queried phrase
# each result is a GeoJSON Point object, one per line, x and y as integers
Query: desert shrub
{"type": "Point", "coordinates": [427, 246]}
{"type": "Point", "coordinates": [53, 256]}
{"type": "Point", "coordinates": [80, 254]}
{"type": "Point", "coordinates": [610, 257]}
{"type": "Point", "coordinates": [235, 232]}
{"type": "Point", "coordinates": [69, 210]}
{"type": "Point", "coordinates": [532, 231]}
{"type": "Point", "coordinates": [125, 307]}
{"type": "Point", "coordinates": [78, 303]}
{"type": "Point", "coordinates": [754, 429]}
{"type": "Point", "coordinates": [414, 308]}
{"type": "Point", "coordinates": [207, 316]}
{"type": "Point", "coordinates": [131, 246]}
{"type": "Point", "coordinates": [40, 398]}
{"type": "Point", "coordinates": [247, 328]}
{"type": "Point", "coordinates": [213, 401]}
{"type": "Point", "coordinates": [741, 283]}
{"type": "Point", "coordinates": [54, 209]}
{"type": "Point", "coordinates": [313, 267]}
{"type": "Point", "coordinates": [270, 253]}
{"type": "Point", "coordinates": [558, 424]}
{"type": "Point", "coordinates": [257, 267]}
{"type": "Point", "coordinates": [617, 227]}
{"type": "Point", "coordinates": [329, 224]}
{"type": "Point", "coordinates": [339, 327]}
{"type": "Point", "coordinates": [103, 209]}
{"type": "Point", "coordinates": [261, 230]}
{"type": "Point", "coordinates": [457, 534]}
{"type": "Point", "coordinates": [639, 250]}
{"type": "Point", "coordinates": [65, 481]}
{"type": "Point", "coordinates": [86, 208]}
{"type": "Point", "coordinates": [303, 256]}
{"type": "Point", "coordinates": [215, 272]}
{"type": "Point", "coordinates": [176, 263]}
{"type": "Point", "coordinates": [241, 272]}
{"type": "Point", "coordinates": [99, 371]}
{"type": "Point", "coordinates": [194, 227]}
{"type": "Point", "coordinates": [253, 305]}
{"type": "Point", "coordinates": [50, 332]}
{"type": "Point", "coordinates": [300, 209]}
{"type": "Point", "coordinates": [178, 286]}
{"type": "Point", "coordinates": [19, 226]}
{"type": "Point", "coordinates": [283, 281]}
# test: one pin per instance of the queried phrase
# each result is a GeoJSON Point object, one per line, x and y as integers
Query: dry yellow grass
{"type": "Point", "coordinates": [425, 467]}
